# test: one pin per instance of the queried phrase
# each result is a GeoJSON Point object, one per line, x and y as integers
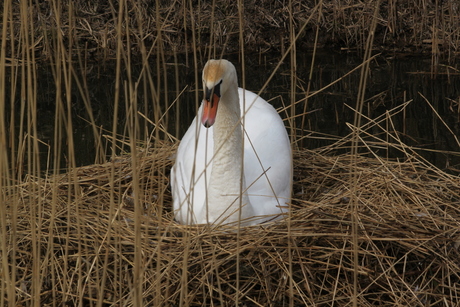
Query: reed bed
{"type": "Point", "coordinates": [403, 26]}
{"type": "Point", "coordinates": [364, 229]}
{"type": "Point", "coordinates": [408, 219]}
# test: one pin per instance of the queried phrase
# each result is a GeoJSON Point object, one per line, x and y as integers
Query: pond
{"type": "Point", "coordinates": [430, 122]}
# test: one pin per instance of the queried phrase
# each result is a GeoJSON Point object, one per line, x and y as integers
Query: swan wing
{"type": "Point", "coordinates": [191, 173]}
{"type": "Point", "coordinates": [267, 156]}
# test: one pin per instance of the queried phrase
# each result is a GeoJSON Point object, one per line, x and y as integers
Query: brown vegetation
{"type": "Point", "coordinates": [184, 26]}
{"type": "Point", "coordinates": [94, 246]}
{"type": "Point", "coordinates": [364, 230]}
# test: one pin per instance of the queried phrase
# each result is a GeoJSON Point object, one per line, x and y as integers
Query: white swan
{"type": "Point", "coordinates": [207, 178]}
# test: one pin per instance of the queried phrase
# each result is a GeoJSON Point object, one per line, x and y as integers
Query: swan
{"type": "Point", "coordinates": [207, 181]}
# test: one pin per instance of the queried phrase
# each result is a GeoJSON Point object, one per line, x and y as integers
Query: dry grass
{"type": "Point", "coordinates": [363, 230]}
{"type": "Point", "coordinates": [89, 229]}
{"type": "Point", "coordinates": [183, 26]}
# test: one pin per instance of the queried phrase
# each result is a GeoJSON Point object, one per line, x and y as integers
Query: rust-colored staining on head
{"type": "Point", "coordinates": [213, 71]}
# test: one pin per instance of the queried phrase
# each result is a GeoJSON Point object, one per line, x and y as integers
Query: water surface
{"type": "Point", "coordinates": [392, 81]}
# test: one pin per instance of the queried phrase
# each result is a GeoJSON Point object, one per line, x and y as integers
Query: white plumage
{"type": "Point", "coordinates": [207, 183]}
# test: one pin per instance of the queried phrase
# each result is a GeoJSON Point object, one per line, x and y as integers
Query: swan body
{"type": "Point", "coordinates": [219, 178]}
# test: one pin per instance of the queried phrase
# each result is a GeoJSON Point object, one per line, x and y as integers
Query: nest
{"type": "Point", "coordinates": [375, 231]}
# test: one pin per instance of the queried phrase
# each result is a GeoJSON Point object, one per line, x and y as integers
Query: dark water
{"type": "Point", "coordinates": [392, 81]}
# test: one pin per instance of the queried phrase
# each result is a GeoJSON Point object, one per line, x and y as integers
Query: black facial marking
{"type": "Point", "coordinates": [210, 92]}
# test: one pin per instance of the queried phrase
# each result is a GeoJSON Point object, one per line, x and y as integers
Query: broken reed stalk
{"type": "Point", "coordinates": [355, 145]}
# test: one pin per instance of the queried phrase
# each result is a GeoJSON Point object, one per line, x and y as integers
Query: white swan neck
{"type": "Point", "coordinates": [227, 179]}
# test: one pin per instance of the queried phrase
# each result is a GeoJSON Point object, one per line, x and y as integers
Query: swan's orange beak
{"type": "Point", "coordinates": [210, 110]}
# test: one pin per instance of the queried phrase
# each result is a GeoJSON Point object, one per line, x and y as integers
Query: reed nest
{"type": "Point", "coordinates": [105, 233]}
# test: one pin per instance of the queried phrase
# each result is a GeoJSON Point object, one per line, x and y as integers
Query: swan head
{"type": "Point", "coordinates": [218, 77]}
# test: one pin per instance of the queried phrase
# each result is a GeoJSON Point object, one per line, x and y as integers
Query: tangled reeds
{"type": "Point", "coordinates": [363, 230]}
{"type": "Point", "coordinates": [184, 26]}
{"type": "Point", "coordinates": [94, 242]}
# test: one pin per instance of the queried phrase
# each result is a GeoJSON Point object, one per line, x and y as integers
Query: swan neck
{"type": "Point", "coordinates": [227, 175]}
